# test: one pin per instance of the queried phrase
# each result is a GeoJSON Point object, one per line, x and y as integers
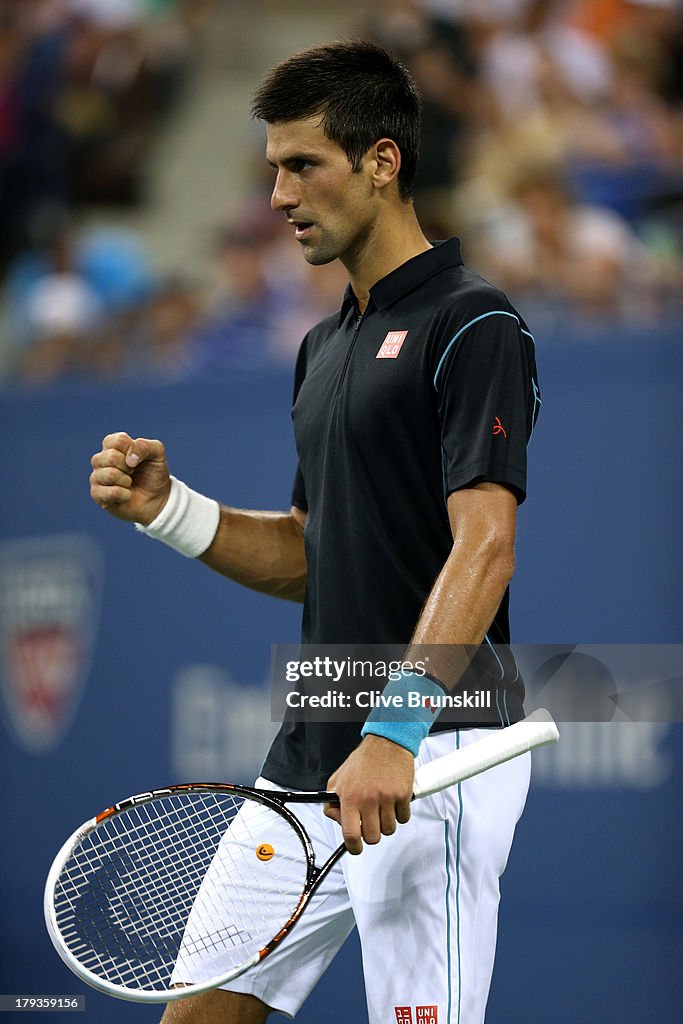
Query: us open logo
{"type": "Point", "coordinates": [50, 591]}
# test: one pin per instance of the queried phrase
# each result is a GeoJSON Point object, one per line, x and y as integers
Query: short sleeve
{"type": "Point", "coordinates": [299, 487]}
{"type": "Point", "coordinates": [299, 491]}
{"type": "Point", "coordinates": [487, 402]}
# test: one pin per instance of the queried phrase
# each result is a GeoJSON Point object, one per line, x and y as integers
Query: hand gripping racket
{"type": "Point", "coordinates": [177, 891]}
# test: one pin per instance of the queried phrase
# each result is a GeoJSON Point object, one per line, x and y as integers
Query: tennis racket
{"type": "Point", "coordinates": [173, 892]}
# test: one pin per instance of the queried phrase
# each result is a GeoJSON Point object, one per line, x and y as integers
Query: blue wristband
{"type": "Point", "coordinates": [409, 708]}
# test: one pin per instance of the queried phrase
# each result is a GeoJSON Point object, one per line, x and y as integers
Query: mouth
{"type": "Point", "coordinates": [302, 229]}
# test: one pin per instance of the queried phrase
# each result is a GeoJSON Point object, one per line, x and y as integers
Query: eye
{"type": "Point", "coordinates": [299, 164]}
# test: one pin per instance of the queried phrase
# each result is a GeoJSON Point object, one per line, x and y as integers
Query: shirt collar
{"type": "Point", "coordinates": [410, 275]}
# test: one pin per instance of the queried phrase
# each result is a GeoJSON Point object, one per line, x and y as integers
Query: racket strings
{"type": "Point", "coordinates": [145, 914]}
{"type": "Point", "coordinates": [108, 867]}
{"type": "Point", "coordinates": [182, 885]}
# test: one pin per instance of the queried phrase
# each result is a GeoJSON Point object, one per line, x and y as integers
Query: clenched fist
{"type": "Point", "coordinates": [130, 478]}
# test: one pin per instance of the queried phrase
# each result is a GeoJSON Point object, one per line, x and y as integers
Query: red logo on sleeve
{"type": "Point", "coordinates": [391, 346]}
{"type": "Point", "coordinates": [498, 427]}
{"type": "Point", "coordinates": [427, 1014]}
{"type": "Point", "coordinates": [404, 1014]}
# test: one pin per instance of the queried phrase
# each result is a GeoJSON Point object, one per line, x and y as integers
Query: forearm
{"type": "Point", "coordinates": [465, 596]}
{"type": "Point", "coordinates": [461, 607]}
{"type": "Point", "coordinates": [459, 611]}
{"type": "Point", "coordinates": [260, 550]}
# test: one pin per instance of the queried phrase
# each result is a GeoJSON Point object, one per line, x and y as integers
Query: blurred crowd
{"type": "Point", "coordinates": [552, 144]}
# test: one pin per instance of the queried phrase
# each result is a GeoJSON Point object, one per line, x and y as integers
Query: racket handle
{"type": "Point", "coordinates": [494, 749]}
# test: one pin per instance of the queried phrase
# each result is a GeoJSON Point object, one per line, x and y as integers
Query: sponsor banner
{"type": "Point", "coordinates": [220, 728]}
{"type": "Point", "coordinates": [50, 592]}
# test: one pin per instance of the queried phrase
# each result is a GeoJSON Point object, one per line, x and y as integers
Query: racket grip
{"type": "Point", "coordinates": [494, 749]}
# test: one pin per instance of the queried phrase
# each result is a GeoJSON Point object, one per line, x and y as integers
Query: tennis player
{"type": "Point", "coordinates": [412, 410]}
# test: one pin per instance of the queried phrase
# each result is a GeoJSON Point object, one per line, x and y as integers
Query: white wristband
{"type": "Point", "coordinates": [187, 522]}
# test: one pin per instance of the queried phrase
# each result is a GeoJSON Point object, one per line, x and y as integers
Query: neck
{"type": "Point", "coordinates": [390, 242]}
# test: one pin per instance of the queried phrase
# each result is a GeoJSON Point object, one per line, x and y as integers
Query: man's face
{"type": "Point", "coordinates": [330, 207]}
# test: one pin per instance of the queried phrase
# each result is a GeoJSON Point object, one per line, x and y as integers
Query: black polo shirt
{"type": "Point", "coordinates": [432, 389]}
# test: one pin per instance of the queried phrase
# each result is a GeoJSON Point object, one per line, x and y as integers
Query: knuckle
{"type": "Point", "coordinates": [99, 498]}
{"type": "Point", "coordinates": [109, 467]}
{"type": "Point", "coordinates": [102, 458]}
{"type": "Point", "coordinates": [116, 440]}
{"type": "Point", "coordinates": [368, 797]}
{"type": "Point", "coordinates": [115, 477]}
{"type": "Point", "coordinates": [106, 495]}
{"type": "Point", "coordinates": [114, 457]}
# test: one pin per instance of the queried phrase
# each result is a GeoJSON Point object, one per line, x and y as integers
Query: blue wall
{"type": "Point", "coordinates": [163, 672]}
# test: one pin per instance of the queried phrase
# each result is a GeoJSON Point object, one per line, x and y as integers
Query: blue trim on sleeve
{"type": "Point", "coordinates": [537, 406]}
{"type": "Point", "coordinates": [494, 312]}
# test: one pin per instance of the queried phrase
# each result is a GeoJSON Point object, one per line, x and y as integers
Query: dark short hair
{"type": "Point", "coordinates": [362, 93]}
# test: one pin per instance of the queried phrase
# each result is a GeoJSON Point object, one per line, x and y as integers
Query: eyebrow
{"type": "Point", "coordinates": [307, 158]}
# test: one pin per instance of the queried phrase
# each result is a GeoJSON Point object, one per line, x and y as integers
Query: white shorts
{"type": "Point", "coordinates": [425, 902]}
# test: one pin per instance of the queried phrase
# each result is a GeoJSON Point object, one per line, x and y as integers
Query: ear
{"type": "Point", "coordinates": [387, 158]}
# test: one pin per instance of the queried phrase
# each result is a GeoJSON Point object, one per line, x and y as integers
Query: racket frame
{"type": "Point", "coordinates": [538, 729]}
{"type": "Point", "coordinates": [275, 800]}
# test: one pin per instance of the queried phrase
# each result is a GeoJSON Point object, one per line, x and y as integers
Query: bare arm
{"type": "Point", "coordinates": [471, 585]}
{"type": "Point", "coordinates": [375, 783]}
{"type": "Point", "coordinates": [261, 550]}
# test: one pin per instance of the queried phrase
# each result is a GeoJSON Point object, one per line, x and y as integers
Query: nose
{"type": "Point", "coordinates": [283, 197]}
